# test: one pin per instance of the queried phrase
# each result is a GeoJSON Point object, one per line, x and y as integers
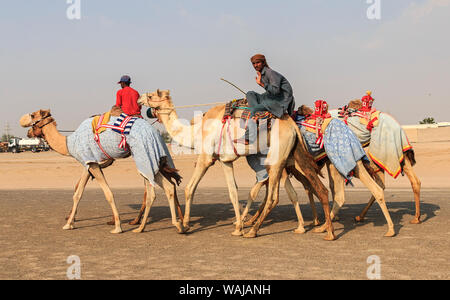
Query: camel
{"type": "Point", "coordinates": [286, 146]}
{"type": "Point", "coordinates": [362, 171]}
{"type": "Point", "coordinates": [43, 125]}
{"type": "Point", "coordinates": [378, 174]}
{"type": "Point", "coordinates": [407, 167]}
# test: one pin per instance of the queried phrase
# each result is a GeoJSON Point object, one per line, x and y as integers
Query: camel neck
{"type": "Point", "coordinates": [182, 134]}
{"type": "Point", "coordinates": [56, 140]}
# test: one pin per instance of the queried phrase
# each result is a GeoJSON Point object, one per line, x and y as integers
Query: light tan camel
{"type": "Point", "coordinates": [285, 140]}
{"type": "Point", "coordinates": [407, 168]}
{"type": "Point", "coordinates": [43, 125]}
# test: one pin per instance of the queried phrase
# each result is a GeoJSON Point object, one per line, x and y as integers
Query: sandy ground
{"type": "Point", "coordinates": [36, 193]}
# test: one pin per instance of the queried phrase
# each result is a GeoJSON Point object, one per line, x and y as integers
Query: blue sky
{"type": "Point", "coordinates": [327, 49]}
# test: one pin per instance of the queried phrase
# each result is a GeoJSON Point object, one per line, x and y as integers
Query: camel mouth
{"type": "Point", "coordinates": [142, 99]}
{"type": "Point", "coordinates": [26, 121]}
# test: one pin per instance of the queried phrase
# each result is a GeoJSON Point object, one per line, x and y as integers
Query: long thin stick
{"type": "Point", "coordinates": [234, 86]}
{"type": "Point", "coordinates": [198, 105]}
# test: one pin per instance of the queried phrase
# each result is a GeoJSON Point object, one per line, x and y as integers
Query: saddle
{"type": "Point", "coordinates": [239, 109]}
{"type": "Point", "coordinates": [122, 126]}
{"type": "Point", "coordinates": [368, 115]}
{"type": "Point", "coordinates": [115, 111]}
{"type": "Point", "coordinates": [368, 118]}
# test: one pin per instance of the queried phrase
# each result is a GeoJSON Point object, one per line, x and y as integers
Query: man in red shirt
{"type": "Point", "coordinates": [127, 98]}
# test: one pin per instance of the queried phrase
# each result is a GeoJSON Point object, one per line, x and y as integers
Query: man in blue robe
{"type": "Point", "coordinates": [278, 98]}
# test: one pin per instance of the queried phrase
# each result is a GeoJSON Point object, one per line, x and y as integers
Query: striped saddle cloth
{"type": "Point", "coordinates": [240, 109]}
{"type": "Point", "coordinates": [122, 125]}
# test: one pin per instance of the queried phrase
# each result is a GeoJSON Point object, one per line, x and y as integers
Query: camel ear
{"type": "Point", "coordinates": [158, 93]}
{"type": "Point", "coordinates": [44, 112]}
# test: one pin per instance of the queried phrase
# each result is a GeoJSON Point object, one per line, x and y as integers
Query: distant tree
{"type": "Point", "coordinates": [428, 120]}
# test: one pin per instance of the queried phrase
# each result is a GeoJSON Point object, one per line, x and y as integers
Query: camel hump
{"type": "Point", "coordinates": [116, 111]}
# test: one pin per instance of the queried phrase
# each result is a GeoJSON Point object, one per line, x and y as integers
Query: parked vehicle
{"type": "Point", "coordinates": [16, 145]}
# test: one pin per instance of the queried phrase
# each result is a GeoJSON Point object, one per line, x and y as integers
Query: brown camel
{"type": "Point", "coordinates": [43, 125]}
{"type": "Point", "coordinates": [285, 140]}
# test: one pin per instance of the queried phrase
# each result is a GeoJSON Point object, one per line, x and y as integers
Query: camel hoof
{"type": "Point", "coordinates": [138, 230]}
{"type": "Point", "coordinates": [300, 230]}
{"type": "Point", "coordinates": [186, 227]}
{"type": "Point", "coordinates": [111, 223]}
{"type": "Point", "coordinates": [415, 221]}
{"type": "Point", "coordinates": [135, 222]}
{"type": "Point", "coordinates": [116, 231]}
{"type": "Point", "coordinates": [315, 223]}
{"type": "Point", "coordinates": [321, 229]}
{"type": "Point", "coordinates": [250, 235]}
{"type": "Point", "coordinates": [68, 227]}
{"type": "Point", "coordinates": [359, 219]}
{"type": "Point", "coordinates": [180, 228]}
{"type": "Point", "coordinates": [249, 223]}
{"type": "Point", "coordinates": [330, 237]}
{"type": "Point", "coordinates": [390, 233]}
{"type": "Point", "coordinates": [237, 233]}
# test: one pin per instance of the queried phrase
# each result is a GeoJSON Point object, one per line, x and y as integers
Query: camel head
{"type": "Point", "coordinates": [355, 104]}
{"type": "Point", "coordinates": [36, 121]}
{"type": "Point", "coordinates": [305, 111]}
{"type": "Point", "coordinates": [159, 101]}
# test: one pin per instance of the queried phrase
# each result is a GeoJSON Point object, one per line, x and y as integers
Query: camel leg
{"type": "Point", "coordinates": [251, 197]}
{"type": "Point", "coordinates": [310, 191]}
{"type": "Point", "coordinates": [232, 189]}
{"type": "Point", "coordinates": [320, 191]}
{"type": "Point", "coordinates": [272, 200]}
{"type": "Point", "coordinates": [170, 190]}
{"type": "Point", "coordinates": [416, 185]}
{"type": "Point", "coordinates": [315, 221]}
{"type": "Point", "coordinates": [141, 211]}
{"type": "Point", "coordinates": [75, 190]}
{"type": "Point", "coordinates": [377, 192]}
{"type": "Point", "coordinates": [382, 178]}
{"type": "Point", "coordinates": [98, 174]}
{"type": "Point", "coordinates": [255, 217]}
{"type": "Point", "coordinates": [293, 197]}
{"type": "Point", "coordinates": [203, 163]}
{"type": "Point", "coordinates": [150, 192]}
{"type": "Point", "coordinates": [337, 186]}
{"type": "Point", "coordinates": [76, 199]}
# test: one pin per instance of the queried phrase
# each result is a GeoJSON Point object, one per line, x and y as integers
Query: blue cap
{"type": "Point", "coordinates": [125, 79]}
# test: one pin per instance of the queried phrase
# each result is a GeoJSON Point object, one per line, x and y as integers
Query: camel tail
{"type": "Point", "coordinates": [168, 172]}
{"type": "Point", "coordinates": [411, 156]}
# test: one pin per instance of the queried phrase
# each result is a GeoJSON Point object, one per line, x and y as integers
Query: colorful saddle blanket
{"type": "Point", "coordinates": [387, 141]}
{"type": "Point", "coordinates": [338, 143]}
{"type": "Point", "coordinates": [240, 109]}
{"type": "Point", "coordinates": [144, 142]}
